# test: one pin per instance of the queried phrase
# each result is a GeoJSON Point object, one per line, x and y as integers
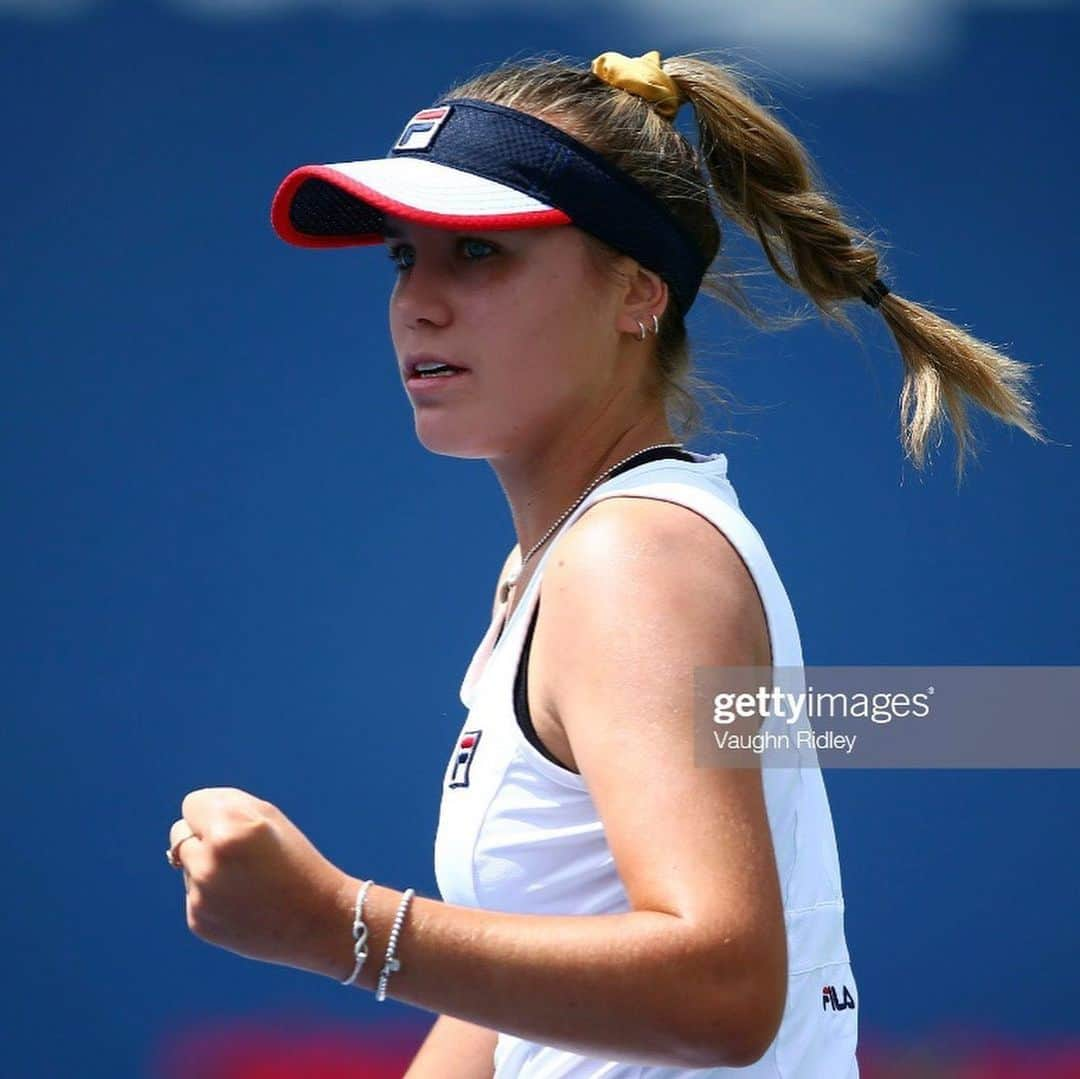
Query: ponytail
{"type": "Point", "coordinates": [765, 183]}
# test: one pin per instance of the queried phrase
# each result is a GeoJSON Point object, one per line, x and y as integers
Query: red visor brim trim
{"type": "Point", "coordinates": [283, 198]}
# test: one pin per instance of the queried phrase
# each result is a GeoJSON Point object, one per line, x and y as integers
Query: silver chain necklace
{"type": "Point", "coordinates": [512, 580]}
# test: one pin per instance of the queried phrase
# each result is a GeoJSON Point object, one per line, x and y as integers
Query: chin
{"type": "Point", "coordinates": [443, 439]}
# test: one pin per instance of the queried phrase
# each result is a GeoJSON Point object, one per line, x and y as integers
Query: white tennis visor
{"type": "Point", "coordinates": [468, 164]}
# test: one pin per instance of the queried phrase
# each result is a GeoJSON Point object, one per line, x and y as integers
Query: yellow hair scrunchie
{"type": "Point", "coordinates": [643, 76]}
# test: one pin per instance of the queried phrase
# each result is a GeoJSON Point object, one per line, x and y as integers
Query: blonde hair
{"type": "Point", "coordinates": [751, 168]}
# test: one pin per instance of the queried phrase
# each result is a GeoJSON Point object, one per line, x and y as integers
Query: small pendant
{"type": "Point", "coordinates": [509, 583]}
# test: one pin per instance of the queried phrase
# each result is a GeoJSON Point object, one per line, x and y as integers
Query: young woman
{"type": "Point", "coordinates": [608, 908]}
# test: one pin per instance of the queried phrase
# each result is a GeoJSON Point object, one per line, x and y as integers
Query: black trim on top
{"type": "Point", "coordinates": [521, 697]}
{"type": "Point", "coordinates": [521, 677]}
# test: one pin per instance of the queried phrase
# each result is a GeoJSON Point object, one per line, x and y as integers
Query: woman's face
{"type": "Point", "coordinates": [532, 317]}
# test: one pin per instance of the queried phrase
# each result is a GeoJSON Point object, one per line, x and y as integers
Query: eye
{"type": "Point", "coordinates": [402, 256]}
{"type": "Point", "coordinates": [477, 249]}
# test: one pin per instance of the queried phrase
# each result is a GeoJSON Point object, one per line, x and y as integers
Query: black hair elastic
{"type": "Point", "coordinates": [876, 292]}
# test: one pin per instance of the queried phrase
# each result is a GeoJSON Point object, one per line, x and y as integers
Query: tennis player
{"type": "Point", "coordinates": [608, 909]}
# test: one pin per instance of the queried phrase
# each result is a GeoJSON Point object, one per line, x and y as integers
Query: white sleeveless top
{"type": "Point", "coordinates": [519, 833]}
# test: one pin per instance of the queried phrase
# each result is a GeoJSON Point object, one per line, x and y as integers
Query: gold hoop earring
{"type": "Point", "coordinates": [641, 329]}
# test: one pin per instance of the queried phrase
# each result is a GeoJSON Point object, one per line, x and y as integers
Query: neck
{"type": "Point", "coordinates": [542, 484]}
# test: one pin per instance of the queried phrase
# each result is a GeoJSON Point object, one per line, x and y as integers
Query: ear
{"type": "Point", "coordinates": [646, 295]}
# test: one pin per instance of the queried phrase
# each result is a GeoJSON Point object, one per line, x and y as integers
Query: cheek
{"type": "Point", "coordinates": [581, 325]}
{"type": "Point", "coordinates": [393, 312]}
{"type": "Point", "coordinates": [559, 304]}
{"type": "Point", "coordinates": [392, 322]}
{"type": "Point", "coordinates": [551, 333]}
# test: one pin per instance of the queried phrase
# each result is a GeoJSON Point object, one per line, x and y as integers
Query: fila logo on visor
{"type": "Point", "coordinates": [422, 128]}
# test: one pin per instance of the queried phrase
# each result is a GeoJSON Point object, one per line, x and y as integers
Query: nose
{"type": "Point", "coordinates": [421, 296]}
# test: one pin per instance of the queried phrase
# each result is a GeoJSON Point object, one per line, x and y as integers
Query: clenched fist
{"type": "Point", "coordinates": [255, 884]}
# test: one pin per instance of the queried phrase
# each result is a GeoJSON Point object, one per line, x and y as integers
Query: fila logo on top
{"type": "Point", "coordinates": [829, 999]}
{"type": "Point", "coordinates": [463, 757]}
{"type": "Point", "coordinates": [422, 128]}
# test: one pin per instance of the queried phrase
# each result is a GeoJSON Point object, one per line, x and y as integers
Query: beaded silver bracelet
{"type": "Point", "coordinates": [360, 933]}
{"type": "Point", "coordinates": [392, 962]}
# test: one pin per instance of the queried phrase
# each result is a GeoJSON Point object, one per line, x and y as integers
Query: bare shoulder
{"type": "Point", "coordinates": [662, 564]}
{"type": "Point", "coordinates": [641, 585]}
{"type": "Point", "coordinates": [635, 524]}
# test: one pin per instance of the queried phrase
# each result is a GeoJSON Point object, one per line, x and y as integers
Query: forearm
{"type": "Point", "coordinates": [455, 1049]}
{"type": "Point", "coordinates": [629, 986]}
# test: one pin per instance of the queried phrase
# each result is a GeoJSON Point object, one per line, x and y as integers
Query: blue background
{"type": "Point", "coordinates": [229, 562]}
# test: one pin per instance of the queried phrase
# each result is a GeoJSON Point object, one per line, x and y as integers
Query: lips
{"type": "Point", "coordinates": [422, 383]}
{"type": "Point", "coordinates": [412, 362]}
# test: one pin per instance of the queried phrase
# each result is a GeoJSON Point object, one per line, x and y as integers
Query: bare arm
{"type": "Point", "coordinates": [455, 1049]}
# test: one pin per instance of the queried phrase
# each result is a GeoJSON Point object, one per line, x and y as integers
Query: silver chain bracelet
{"type": "Point", "coordinates": [392, 962]}
{"type": "Point", "coordinates": [360, 933]}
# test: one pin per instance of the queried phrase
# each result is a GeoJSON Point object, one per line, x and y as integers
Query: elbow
{"type": "Point", "coordinates": [748, 1046]}
{"type": "Point", "coordinates": [742, 1016]}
